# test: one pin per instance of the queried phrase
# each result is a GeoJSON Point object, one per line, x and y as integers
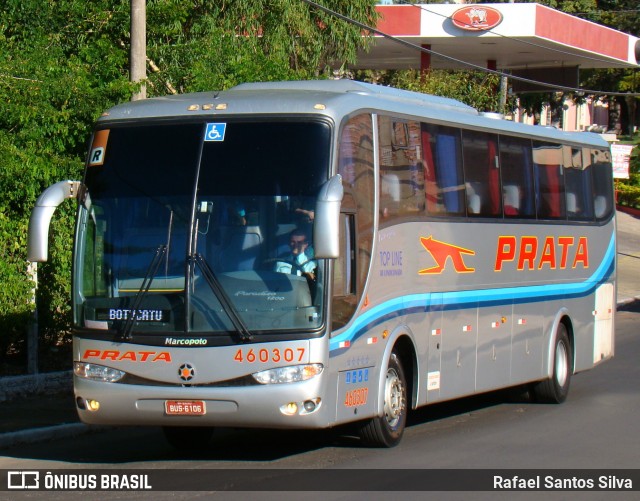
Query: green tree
{"type": "Point", "coordinates": [206, 45]}
{"type": "Point", "coordinates": [62, 62]}
{"type": "Point", "coordinates": [621, 15]}
{"type": "Point", "coordinates": [474, 88]}
{"type": "Point", "coordinates": [58, 62]}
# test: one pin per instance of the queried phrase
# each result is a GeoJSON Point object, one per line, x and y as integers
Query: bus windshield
{"type": "Point", "coordinates": [203, 228]}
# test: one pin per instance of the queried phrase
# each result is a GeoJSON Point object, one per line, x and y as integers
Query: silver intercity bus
{"type": "Point", "coordinates": [308, 254]}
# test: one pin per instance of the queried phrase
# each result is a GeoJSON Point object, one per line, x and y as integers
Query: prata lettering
{"type": "Point", "coordinates": [131, 356]}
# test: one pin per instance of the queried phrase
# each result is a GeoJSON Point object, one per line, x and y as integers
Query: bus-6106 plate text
{"type": "Point", "coordinates": [185, 408]}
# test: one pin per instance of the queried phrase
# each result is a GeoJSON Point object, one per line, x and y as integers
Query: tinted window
{"type": "Point", "coordinates": [548, 169]}
{"type": "Point", "coordinates": [481, 173]}
{"type": "Point", "coordinates": [517, 177]}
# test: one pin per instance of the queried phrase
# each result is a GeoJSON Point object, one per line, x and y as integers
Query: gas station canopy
{"type": "Point", "coordinates": [514, 37]}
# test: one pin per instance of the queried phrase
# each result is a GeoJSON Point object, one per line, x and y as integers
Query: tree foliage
{"type": "Point", "coordinates": [479, 90]}
{"type": "Point", "coordinates": [63, 62]}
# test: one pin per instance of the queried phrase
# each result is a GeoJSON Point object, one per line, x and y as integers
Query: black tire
{"type": "Point", "coordinates": [556, 389]}
{"type": "Point", "coordinates": [188, 438]}
{"type": "Point", "coordinates": [387, 430]}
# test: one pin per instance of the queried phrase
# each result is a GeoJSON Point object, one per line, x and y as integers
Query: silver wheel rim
{"type": "Point", "coordinates": [562, 366]}
{"type": "Point", "coordinates": [393, 398]}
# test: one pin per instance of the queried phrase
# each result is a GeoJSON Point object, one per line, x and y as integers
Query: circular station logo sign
{"type": "Point", "coordinates": [476, 18]}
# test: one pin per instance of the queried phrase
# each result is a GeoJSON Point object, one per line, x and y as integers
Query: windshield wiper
{"type": "Point", "coordinates": [215, 285]}
{"type": "Point", "coordinates": [125, 328]}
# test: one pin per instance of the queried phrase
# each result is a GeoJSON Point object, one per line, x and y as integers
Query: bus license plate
{"type": "Point", "coordinates": [185, 408]}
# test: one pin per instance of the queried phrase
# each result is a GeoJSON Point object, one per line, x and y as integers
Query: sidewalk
{"type": "Point", "coordinates": [51, 413]}
{"type": "Point", "coordinates": [37, 408]}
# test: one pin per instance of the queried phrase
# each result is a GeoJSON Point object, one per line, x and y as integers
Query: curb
{"type": "Point", "coordinates": [12, 387]}
{"type": "Point", "coordinates": [628, 210]}
{"type": "Point", "coordinates": [626, 301]}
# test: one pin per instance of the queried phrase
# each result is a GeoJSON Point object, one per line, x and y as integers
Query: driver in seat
{"type": "Point", "coordinates": [300, 260]}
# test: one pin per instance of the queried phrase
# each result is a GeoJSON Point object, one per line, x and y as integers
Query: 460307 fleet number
{"type": "Point", "coordinates": [274, 355]}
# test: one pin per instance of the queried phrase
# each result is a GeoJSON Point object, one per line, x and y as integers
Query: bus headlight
{"type": "Point", "coordinates": [97, 372]}
{"type": "Point", "coordinates": [291, 374]}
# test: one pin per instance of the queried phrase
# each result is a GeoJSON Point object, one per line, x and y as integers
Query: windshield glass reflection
{"type": "Point", "coordinates": [228, 264]}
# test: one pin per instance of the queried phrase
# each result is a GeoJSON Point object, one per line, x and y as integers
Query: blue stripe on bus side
{"type": "Point", "coordinates": [423, 303]}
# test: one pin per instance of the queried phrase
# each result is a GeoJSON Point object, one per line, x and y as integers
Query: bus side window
{"type": "Point", "coordinates": [481, 173]}
{"type": "Point", "coordinates": [602, 183]}
{"type": "Point", "coordinates": [516, 170]}
{"type": "Point", "coordinates": [548, 167]}
{"type": "Point", "coordinates": [578, 183]}
{"type": "Point", "coordinates": [401, 168]}
{"type": "Point", "coordinates": [445, 189]}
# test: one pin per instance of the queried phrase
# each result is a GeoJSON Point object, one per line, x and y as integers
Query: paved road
{"type": "Point", "coordinates": [596, 428]}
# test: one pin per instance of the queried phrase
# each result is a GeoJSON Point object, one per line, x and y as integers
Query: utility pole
{"type": "Point", "coordinates": [138, 61]}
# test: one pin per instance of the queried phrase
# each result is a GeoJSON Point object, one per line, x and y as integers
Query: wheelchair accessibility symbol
{"type": "Point", "coordinates": [215, 132]}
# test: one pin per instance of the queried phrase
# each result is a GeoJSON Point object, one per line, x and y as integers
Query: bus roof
{"type": "Point", "coordinates": [333, 98]}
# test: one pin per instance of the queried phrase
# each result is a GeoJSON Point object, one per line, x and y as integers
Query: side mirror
{"type": "Point", "coordinates": [326, 240]}
{"type": "Point", "coordinates": [48, 201]}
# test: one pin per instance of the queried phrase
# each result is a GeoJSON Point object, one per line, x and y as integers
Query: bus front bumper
{"type": "Point", "coordinates": [295, 405]}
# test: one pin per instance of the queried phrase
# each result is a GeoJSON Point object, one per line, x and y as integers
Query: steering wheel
{"type": "Point", "coordinates": [294, 265]}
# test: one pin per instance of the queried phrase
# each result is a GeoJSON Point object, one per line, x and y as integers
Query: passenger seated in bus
{"type": "Point", "coordinates": [299, 260]}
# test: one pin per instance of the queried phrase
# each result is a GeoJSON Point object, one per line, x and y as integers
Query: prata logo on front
{"type": "Point", "coordinates": [23, 480]}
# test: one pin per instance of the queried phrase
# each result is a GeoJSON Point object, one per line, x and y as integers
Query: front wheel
{"type": "Point", "coordinates": [556, 389]}
{"type": "Point", "coordinates": [387, 430]}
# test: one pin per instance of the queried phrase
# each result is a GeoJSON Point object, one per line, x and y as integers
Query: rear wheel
{"type": "Point", "coordinates": [556, 389]}
{"type": "Point", "coordinates": [387, 430]}
{"type": "Point", "coordinates": [188, 438]}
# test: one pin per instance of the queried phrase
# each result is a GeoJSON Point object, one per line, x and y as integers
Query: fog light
{"type": "Point", "coordinates": [301, 408]}
{"type": "Point", "coordinates": [310, 406]}
{"type": "Point", "coordinates": [289, 409]}
{"type": "Point", "coordinates": [93, 405]}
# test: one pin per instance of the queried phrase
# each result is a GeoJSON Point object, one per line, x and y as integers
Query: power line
{"type": "Point", "coordinates": [465, 63]}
